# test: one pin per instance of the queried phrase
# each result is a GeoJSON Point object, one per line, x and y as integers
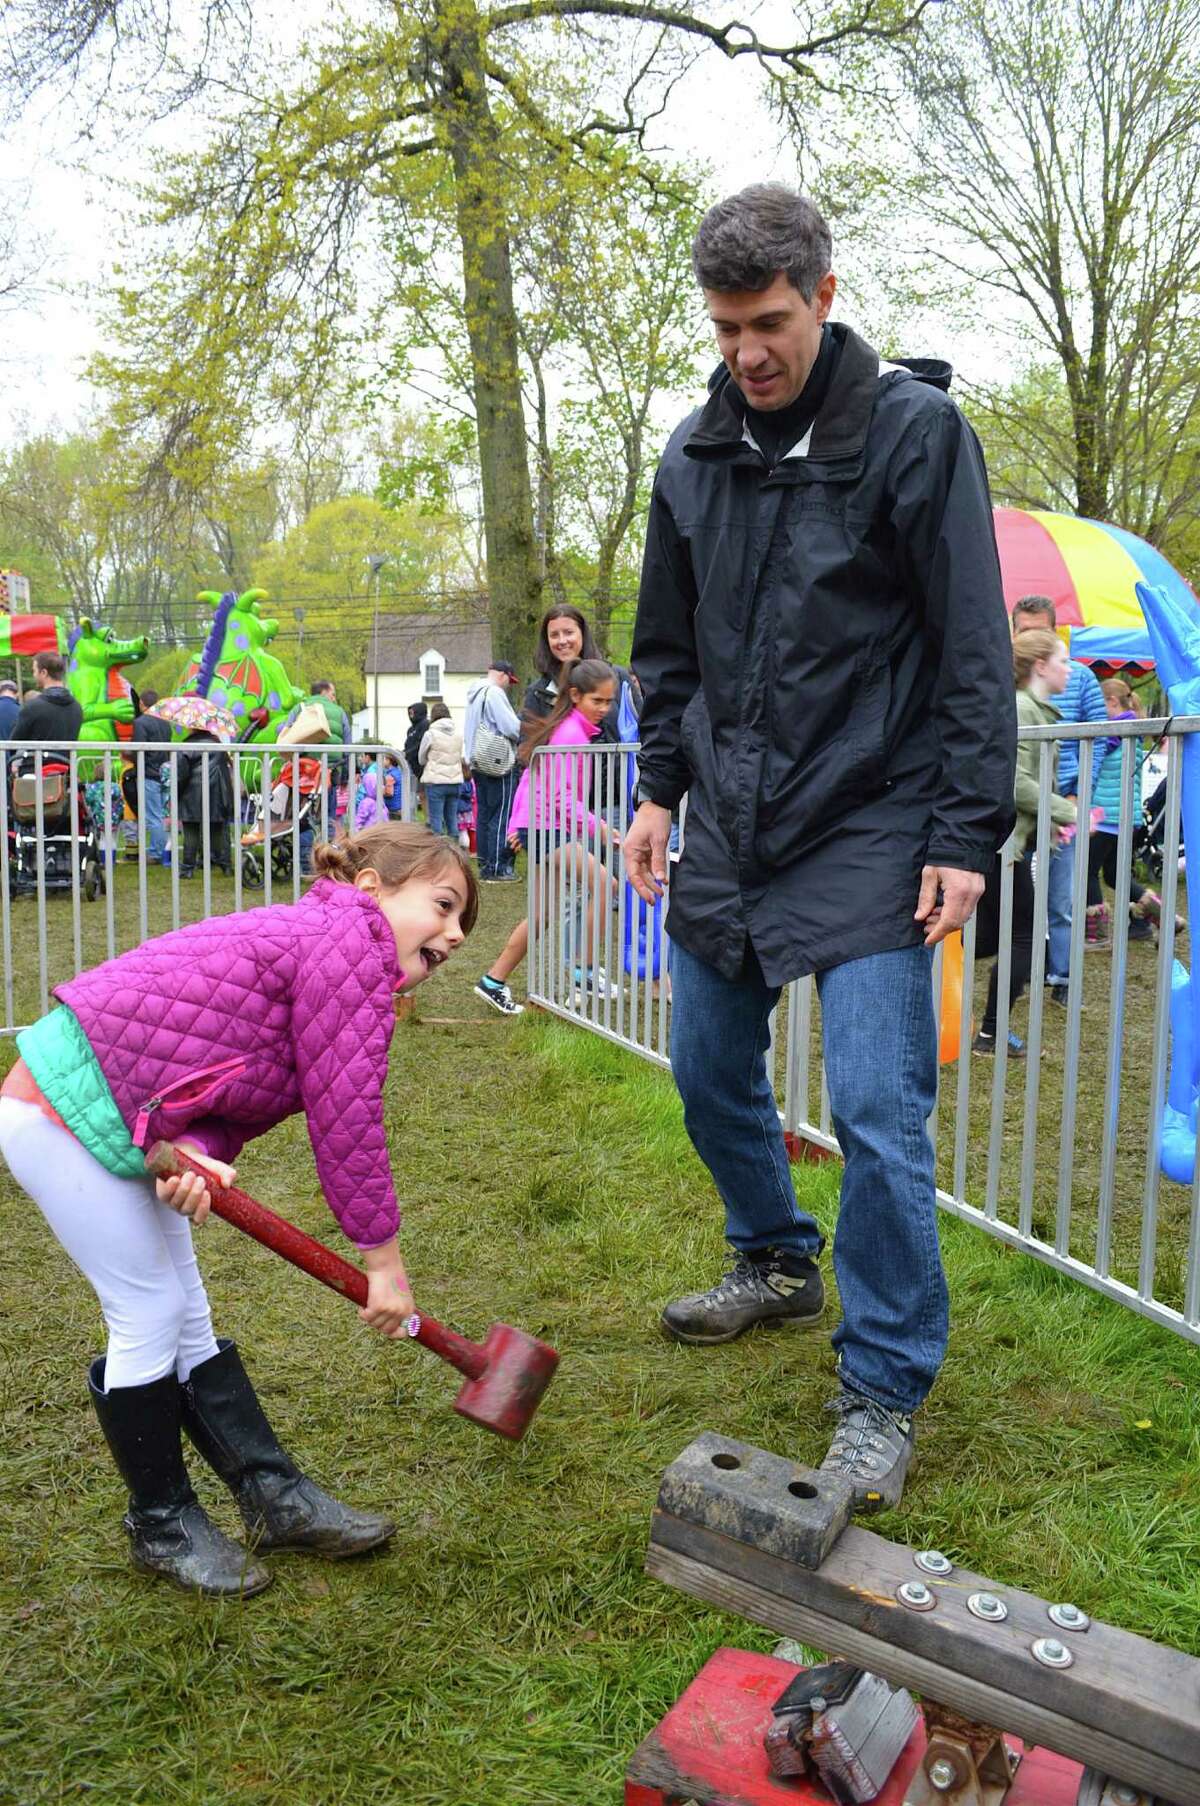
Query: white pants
{"type": "Point", "coordinates": [135, 1252]}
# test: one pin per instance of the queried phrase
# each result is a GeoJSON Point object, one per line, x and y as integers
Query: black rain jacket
{"type": "Point", "coordinates": [825, 659]}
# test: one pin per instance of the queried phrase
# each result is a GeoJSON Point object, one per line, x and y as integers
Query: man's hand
{"type": "Point", "coordinates": [959, 893]}
{"type": "Point", "coordinates": [645, 851]}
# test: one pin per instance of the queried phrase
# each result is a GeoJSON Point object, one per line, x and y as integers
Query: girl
{"type": "Point", "coordinates": [559, 806]}
{"type": "Point", "coordinates": [209, 1036]}
{"type": "Point", "coordinates": [1145, 906]}
{"type": "Point", "coordinates": [1041, 670]}
{"type": "Point", "coordinates": [441, 758]}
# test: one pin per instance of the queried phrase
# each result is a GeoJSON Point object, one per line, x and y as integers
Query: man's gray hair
{"type": "Point", "coordinates": [748, 239]}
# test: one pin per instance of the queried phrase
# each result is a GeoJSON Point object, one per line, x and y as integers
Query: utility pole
{"type": "Point", "coordinates": [376, 561]}
{"type": "Point", "coordinates": [299, 617]}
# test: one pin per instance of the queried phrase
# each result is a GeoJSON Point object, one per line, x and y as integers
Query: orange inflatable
{"type": "Point", "coordinates": [950, 1026]}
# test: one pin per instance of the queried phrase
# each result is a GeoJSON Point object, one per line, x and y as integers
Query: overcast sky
{"type": "Point", "coordinates": [45, 343]}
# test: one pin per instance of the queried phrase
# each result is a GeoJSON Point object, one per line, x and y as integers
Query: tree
{"type": "Point", "coordinates": [615, 307]}
{"type": "Point", "coordinates": [1054, 158]}
{"type": "Point", "coordinates": [443, 99]}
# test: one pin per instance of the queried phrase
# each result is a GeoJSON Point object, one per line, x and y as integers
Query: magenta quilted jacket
{"type": "Point", "coordinates": [226, 1027]}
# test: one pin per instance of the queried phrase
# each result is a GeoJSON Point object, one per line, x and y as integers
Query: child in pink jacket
{"type": "Point", "coordinates": [554, 806]}
{"type": "Point", "coordinates": [209, 1036]}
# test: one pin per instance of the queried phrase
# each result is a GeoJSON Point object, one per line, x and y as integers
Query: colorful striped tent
{"type": "Point", "coordinates": [1090, 570]}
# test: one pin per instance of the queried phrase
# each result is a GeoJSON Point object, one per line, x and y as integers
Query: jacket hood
{"type": "Point", "coordinates": [59, 695]}
{"type": "Point", "coordinates": [442, 727]}
{"type": "Point", "coordinates": [841, 427]}
{"type": "Point", "coordinates": [475, 689]}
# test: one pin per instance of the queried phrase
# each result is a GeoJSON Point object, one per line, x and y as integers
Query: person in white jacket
{"type": "Point", "coordinates": [490, 748]}
{"type": "Point", "coordinates": [441, 759]}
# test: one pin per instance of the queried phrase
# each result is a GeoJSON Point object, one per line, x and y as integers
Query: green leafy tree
{"type": "Point", "coordinates": [444, 101]}
{"type": "Point", "coordinates": [1051, 152]}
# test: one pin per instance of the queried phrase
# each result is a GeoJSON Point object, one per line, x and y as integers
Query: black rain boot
{"type": "Point", "coordinates": [169, 1531]}
{"type": "Point", "coordinates": [281, 1507]}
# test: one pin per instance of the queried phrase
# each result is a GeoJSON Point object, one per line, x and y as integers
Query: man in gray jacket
{"type": "Point", "coordinates": [824, 652]}
{"type": "Point", "coordinates": [492, 722]}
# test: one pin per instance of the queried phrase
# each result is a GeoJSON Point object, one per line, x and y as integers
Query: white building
{"type": "Point", "coordinates": [421, 658]}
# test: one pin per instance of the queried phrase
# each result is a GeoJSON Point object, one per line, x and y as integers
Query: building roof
{"type": "Point", "coordinates": [466, 646]}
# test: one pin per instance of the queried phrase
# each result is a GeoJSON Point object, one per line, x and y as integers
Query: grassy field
{"type": "Point", "coordinates": [508, 1647]}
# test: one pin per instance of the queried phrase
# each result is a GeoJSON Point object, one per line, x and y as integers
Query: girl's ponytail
{"type": "Point", "coordinates": [398, 851]}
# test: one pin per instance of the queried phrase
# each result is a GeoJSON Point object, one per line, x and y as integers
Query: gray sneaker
{"type": "Point", "coordinates": [774, 1287]}
{"type": "Point", "coordinates": [872, 1448]}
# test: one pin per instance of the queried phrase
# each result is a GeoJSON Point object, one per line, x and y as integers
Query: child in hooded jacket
{"type": "Point", "coordinates": [208, 1036]}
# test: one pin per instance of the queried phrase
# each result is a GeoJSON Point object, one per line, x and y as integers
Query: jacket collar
{"type": "Point", "coordinates": [335, 892]}
{"type": "Point", "coordinates": [840, 429]}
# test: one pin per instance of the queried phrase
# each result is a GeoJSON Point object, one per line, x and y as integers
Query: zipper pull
{"type": "Point", "coordinates": [142, 1122]}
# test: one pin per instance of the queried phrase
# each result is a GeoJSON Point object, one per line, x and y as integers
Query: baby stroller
{"type": "Point", "coordinates": [276, 832]}
{"type": "Point", "coordinates": [1150, 833]}
{"type": "Point", "coordinates": [60, 860]}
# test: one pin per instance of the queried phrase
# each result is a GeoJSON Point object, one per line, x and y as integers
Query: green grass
{"type": "Point", "coordinates": [508, 1647]}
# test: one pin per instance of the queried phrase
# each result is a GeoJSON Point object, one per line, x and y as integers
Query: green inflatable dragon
{"type": "Point", "coordinates": [235, 669]}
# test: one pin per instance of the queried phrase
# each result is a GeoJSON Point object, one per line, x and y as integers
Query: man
{"type": "Point", "coordinates": [824, 651]}
{"type": "Point", "coordinates": [53, 713]}
{"type": "Point", "coordinates": [490, 735]}
{"type": "Point", "coordinates": [1082, 700]}
{"type": "Point", "coordinates": [149, 730]}
{"type": "Point", "coordinates": [10, 707]}
{"type": "Point", "coordinates": [324, 696]}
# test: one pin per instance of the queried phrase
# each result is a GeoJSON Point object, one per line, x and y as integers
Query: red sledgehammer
{"type": "Point", "coordinates": [506, 1374]}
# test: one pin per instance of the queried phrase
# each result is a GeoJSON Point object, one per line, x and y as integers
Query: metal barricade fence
{"type": "Point", "coordinates": [1056, 1151]}
{"type": "Point", "coordinates": [76, 889]}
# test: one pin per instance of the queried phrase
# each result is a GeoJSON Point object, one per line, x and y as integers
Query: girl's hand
{"type": "Point", "coordinates": [389, 1301]}
{"type": "Point", "coordinates": [187, 1192]}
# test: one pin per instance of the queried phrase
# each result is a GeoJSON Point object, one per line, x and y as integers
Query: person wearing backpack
{"type": "Point", "coordinates": [490, 738]}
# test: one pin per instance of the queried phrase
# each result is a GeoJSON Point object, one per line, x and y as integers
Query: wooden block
{"type": "Point", "coordinates": [776, 1505]}
{"type": "Point", "coordinates": [1125, 1705]}
{"type": "Point", "coordinates": [405, 1007]}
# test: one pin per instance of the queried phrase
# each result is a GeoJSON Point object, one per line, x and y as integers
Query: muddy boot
{"type": "Point", "coordinates": [281, 1507]}
{"type": "Point", "coordinates": [169, 1531]}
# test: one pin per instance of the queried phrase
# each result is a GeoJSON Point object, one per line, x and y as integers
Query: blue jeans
{"type": "Point", "coordinates": [880, 1045]}
{"type": "Point", "coordinates": [441, 800]}
{"type": "Point", "coordinates": [494, 800]}
{"type": "Point", "coordinates": [156, 828]}
{"type": "Point", "coordinates": [1061, 872]}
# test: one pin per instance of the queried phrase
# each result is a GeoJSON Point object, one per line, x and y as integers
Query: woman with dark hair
{"type": "Point", "coordinates": [563, 637]}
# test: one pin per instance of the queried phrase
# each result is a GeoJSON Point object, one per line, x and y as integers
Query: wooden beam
{"type": "Point", "coordinates": [1125, 1705]}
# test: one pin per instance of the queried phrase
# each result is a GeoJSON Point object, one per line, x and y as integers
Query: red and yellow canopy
{"type": "Point", "coordinates": [1088, 568]}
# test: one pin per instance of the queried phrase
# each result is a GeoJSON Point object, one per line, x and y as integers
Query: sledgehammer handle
{"type": "Point", "coordinates": [275, 1232]}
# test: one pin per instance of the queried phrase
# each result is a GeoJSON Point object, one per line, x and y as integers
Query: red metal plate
{"type": "Point", "coordinates": [708, 1749]}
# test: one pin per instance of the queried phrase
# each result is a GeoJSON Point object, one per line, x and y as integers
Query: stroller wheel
{"type": "Point", "coordinates": [92, 879]}
{"type": "Point", "coordinates": [252, 871]}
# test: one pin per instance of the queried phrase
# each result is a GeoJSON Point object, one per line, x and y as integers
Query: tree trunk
{"type": "Point", "coordinates": [514, 577]}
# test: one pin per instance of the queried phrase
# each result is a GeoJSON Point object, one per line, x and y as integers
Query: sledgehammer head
{"type": "Point", "coordinates": [509, 1390]}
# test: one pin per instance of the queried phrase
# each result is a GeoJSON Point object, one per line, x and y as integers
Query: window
{"type": "Point", "coordinates": [433, 666]}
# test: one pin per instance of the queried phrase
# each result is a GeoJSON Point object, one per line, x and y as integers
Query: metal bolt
{"type": "Point", "coordinates": [987, 1606]}
{"type": "Point", "coordinates": [1068, 1617]}
{"type": "Point", "coordinates": [916, 1595]}
{"type": "Point", "coordinates": [932, 1561]}
{"type": "Point", "coordinates": [1124, 1796]}
{"type": "Point", "coordinates": [942, 1775]}
{"type": "Point", "coordinates": [817, 1703]}
{"type": "Point", "coordinates": [1051, 1653]}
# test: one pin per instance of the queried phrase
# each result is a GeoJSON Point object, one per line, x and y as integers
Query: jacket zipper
{"type": "Point", "coordinates": [146, 1109]}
